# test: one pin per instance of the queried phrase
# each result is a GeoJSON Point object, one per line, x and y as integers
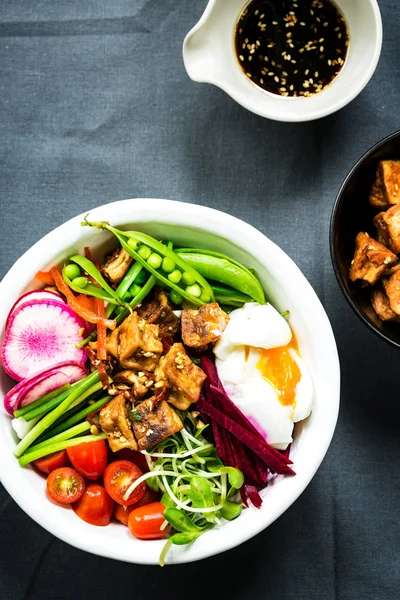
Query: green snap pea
{"type": "Point", "coordinates": [175, 276]}
{"type": "Point", "coordinates": [131, 276]}
{"type": "Point", "coordinates": [162, 279]}
{"type": "Point", "coordinates": [225, 295]}
{"type": "Point", "coordinates": [80, 282]}
{"type": "Point", "coordinates": [154, 260]}
{"type": "Point", "coordinates": [212, 253]}
{"type": "Point", "coordinates": [227, 272]}
{"type": "Point", "coordinates": [168, 265]}
{"type": "Point", "coordinates": [90, 290]}
{"type": "Point", "coordinates": [72, 271]}
{"type": "Point", "coordinates": [159, 248]}
{"type": "Point", "coordinates": [93, 271]}
{"type": "Point", "coordinates": [144, 291]}
{"type": "Point", "coordinates": [122, 312]}
{"type": "Point", "coordinates": [175, 297]}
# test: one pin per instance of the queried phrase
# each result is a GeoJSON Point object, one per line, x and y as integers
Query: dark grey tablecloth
{"type": "Point", "coordinates": [96, 106]}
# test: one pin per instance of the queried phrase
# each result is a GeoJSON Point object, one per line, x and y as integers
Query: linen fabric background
{"type": "Point", "coordinates": [96, 106]}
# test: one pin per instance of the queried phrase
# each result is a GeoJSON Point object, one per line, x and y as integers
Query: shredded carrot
{"type": "Point", "coordinates": [45, 277]}
{"type": "Point", "coordinates": [79, 307]}
{"type": "Point", "coordinates": [101, 331]}
{"type": "Point", "coordinates": [88, 253]}
{"type": "Point", "coordinates": [87, 301]}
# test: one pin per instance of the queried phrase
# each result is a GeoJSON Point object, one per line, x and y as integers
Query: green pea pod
{"type": "Point", "coordinates": [91, 290]}
{"type": "Point", "coordinates": [161, 249]}
{"type": "Point", "coordinates": [230, 297]}
{"type": "Point", "coordinates": [93, 271]}
{"type": "Point", "coordinates": [125, 284]}
{"type": "Point", "coordinates": [146, 289]}
{"type": "Point", "coordinates": [226, 294]}
{"type": "Point", "coordinates": [227, 272]}
{"type": "Point", "coordinates": [158, 275]}
{"type": "Point", "coordinates": [216, 254]}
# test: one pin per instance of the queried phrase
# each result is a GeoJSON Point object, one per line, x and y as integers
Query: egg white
{"type": "Point", "coordinates": [258, 326]}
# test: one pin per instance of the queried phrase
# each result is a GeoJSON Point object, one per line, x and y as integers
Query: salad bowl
{"type": "Point", "coordinates": [286, 288]}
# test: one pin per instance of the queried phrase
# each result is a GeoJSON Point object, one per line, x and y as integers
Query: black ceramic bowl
{"type": "Point", "coordinates": [352, 213]}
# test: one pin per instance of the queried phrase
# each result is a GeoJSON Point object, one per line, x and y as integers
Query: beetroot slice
{"type": "Point", "coordinates": [41, 334]}
{"type": "Point", "coordinates": [275, 461]}
{"type": "Point", "coordinates": [253, 495]}
{"type": "Point", "coordinates": [35, 295]}
{"type": "Point", "coordinates": [42, 383]}
{"type": "Point", "coordinates": [217, 391]}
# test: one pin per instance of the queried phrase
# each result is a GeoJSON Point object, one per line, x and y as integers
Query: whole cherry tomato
{"type": "Point", "coordinates": [89, 458]}
{"type": "Point", "coordinates": [147, 522]}
{"type": "Point", "coordinates": [121, 513]}
{"type": "Point", "coordinates": [118, 477]}
{"type": "Point", "coordinates": [47, 464]}
{"type": "Point", "coordinates": [65, 485]}
{"type": "Point", "coordinates": [95, 506]}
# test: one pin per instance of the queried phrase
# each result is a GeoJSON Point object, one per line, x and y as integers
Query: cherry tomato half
{"type": "Point", "coordinates": [134, 456]}
{"type": "Point", "coordinates": [47, 464]}
{"type": "Point", "coordinates": [89, 458]}
{"type": "Point", "coordinates": [95, 506]}
{"type": "Point", "coordinates": [118, 476]}
{"type": "Point", "coordinates": [146, 521]}
{"type": "Point", "coordinates": [65, 485]}
{"type": "Point", "coordinates": [121, 513]}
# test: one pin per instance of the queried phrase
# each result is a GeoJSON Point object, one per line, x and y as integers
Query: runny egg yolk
{"type": "Point", "coordinates": [282, 371]}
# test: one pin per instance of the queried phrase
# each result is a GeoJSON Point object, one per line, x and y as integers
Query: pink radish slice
{"type": "Point", "coordinates": [41, 334]}
{"type": "Point", "coordinates": [35, 295]}
{"type": "Point", "coordinates": [69, 371]}
{"type": "Point", "coordinates": [42, 383]}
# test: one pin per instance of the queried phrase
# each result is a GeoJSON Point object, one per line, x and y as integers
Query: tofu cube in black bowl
{"type": "Point", "coordinates": [353, 214]}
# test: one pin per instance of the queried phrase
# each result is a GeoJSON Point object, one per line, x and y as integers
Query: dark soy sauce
{"type": "Point", "coordinates": [291, 47]}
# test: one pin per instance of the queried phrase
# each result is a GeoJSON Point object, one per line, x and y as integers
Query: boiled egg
{"type": "Point", "coordinates": [263, 373]}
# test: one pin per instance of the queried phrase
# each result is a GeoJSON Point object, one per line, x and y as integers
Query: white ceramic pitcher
{"type": "Point", "coordinates": [209, 56]}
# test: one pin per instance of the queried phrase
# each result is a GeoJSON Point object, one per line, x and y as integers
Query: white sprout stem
{"type": "Point", "coordinates": [191, 437]}
{"type": "Point", "coordinates": [164, 525]}
{"type": "Point", "coordinates": [183, 488]}
{"type": "Point", "coordinates": [148, 460]}
{"type": "Point", "coordinates": [154, 473]}
{"type": "Point", "coordinates": [189, 446]}
{"type": "Point", "coordinates": [180, 504]}
{"type": "Point", "coordinates": [177, 456]}
{"type": "Point", "coordinates": [223, 490]}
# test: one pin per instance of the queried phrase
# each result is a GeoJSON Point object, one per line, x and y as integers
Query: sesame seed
{"type": "Point", "coordinates": [257, 44]}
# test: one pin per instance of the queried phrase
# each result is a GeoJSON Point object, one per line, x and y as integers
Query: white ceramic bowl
{"type": "Point", "coordinates": [209, 56]}
{"type": "Point", "coordinates": [286, 287]}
